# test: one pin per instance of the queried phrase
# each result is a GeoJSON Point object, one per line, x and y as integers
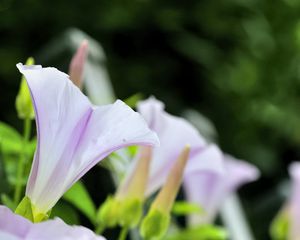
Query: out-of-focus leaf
{"type": "Point", "coordinates": [185, 208]}
{"type": "Point", "coordinates": [132, 150]}
{"type": "Point", "coordinates": [202, 123]}
{"type": "Point", "coordinates": [205, 232]}
{"type": "Point", "coordinates": [197, 49]}
{"type": "Point", "coordinates": [134, 99]}
{"type": "Point", "coordinates": [8, 202]}
{"type": "Point", "coordinates": [66, 213]}
{"type": "Point", "coordinates": [10, 139]}
{"type": "Point", "coordinates": [11, 156]}
{"type": "Point", "coordinates": [119, 161]}
{"type": "Point", "coordinates": [3, 182]}
{"type": "Point", "coordinates": [80, 198]}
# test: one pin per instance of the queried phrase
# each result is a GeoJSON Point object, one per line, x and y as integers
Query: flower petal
{"type": "Point", "coordinates": [174, 134]}
{"type": "Point", "coordinates": [57, 229]}
{"type": "Point", "coordinates": [12, 225]}
{"type": "Point", "coordinates": [61, 111]}
{"type": "Point", "coordinates": [15, 227]}
{"type": "Point", "coordinates": [209, 189]}
{"type": "Point", "coordinates": [73, 135]}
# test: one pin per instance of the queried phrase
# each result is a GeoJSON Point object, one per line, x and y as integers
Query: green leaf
{"type": "Point", "coordinates": [186, 208]}
{"type": "Point", "coordinates": [12, 146]}
{"type": "Point", "coordinates": [10, 139]}
{"type": "Point", "coordinates": [4, 187]}
{"type": "Point", "coordinates": [132, 150]}
{"type": "Point", "coordinates": [204, 232]}
{"type": "Point", "coordinates": [80, 198]}
{"type": "Point", "coordinates": [8, 202]}
{"type": "Point", "coordinates": [134, 99]}
{"type": "Point", "coordinates": [66, 213]}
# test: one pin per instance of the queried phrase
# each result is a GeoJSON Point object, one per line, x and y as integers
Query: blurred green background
{"type": "Point", "coordinates": [235, 61]}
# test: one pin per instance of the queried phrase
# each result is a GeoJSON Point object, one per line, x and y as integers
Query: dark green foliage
{"type": "Point", "coordinates": [235, 61]}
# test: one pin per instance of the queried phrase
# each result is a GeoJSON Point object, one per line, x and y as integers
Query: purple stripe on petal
{"type": "Point", "coordinates": [73, 135]}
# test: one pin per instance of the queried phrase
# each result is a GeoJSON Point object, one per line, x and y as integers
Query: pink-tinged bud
{"type": "Point", "coordinates": [136, 186]}
{"type": "Point", "coordinates": [166, 197]}
{"type": "Point", "coordinates": [76, 67]}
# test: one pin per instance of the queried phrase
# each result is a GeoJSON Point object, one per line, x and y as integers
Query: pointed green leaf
{"type": "Point", "coordinates": [80, 198]}
{"type": "Point", "coordinates": [134, 99]}
{"type": "Point", "coordinates": [7, 201]}
{"type": "Point", "coordinates": [66, 212]}
{"type": "Point", "coordinates": [186, 208]}
{"type": "Point", "coordinates": [204, 232]}
{"type": "Point", "coordinates": [10, 139]}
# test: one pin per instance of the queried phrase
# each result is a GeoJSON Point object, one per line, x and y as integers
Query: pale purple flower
{"type": "Point", "coordinates": [174, 134]}
{"type": "Point", "coordinates": [15, 227]}
{"type": "Point", "coordinates": [73, 135]}
{"type": "Point", "coordinates": [294, 203]}
{"type": "Point", "coordinates": [209, 189]}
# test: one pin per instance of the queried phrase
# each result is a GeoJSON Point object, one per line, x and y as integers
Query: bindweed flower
{"type": "Point", "coordinates": [73, 135]}
{"type": "Point", "coordinates": [156, 222]}
{"type": "Point", "coordinates": [174, 134]}
{"type": "Point", "coordinates": [209, 189]}
{"type": "Point", "coordinates": [15, 227]}
{"type": "Point", "coordinates": [76, 68]}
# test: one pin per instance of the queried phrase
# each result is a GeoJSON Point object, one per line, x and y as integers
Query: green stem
{"type": "Point", "coordinates": [20, 170]}
{"type": "Point", "coordinates": [99, 229]}
{"type": "Point", "coordinates": [123, 233]}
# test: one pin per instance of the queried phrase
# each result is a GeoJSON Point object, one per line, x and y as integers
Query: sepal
{"type": "Point", "coordinates": [27, 210]}
{"type": "Point", "coordinates": [155, 225]}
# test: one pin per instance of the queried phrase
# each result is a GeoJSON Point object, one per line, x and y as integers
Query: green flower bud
{"type": "Point", "coordinates": [108, 212]}
{"type": "Point", "coordinates": [23, 101]}
{"type": "Point", "coordinates": [131, 211]}
{"type": "Point", "coordinates": [155, 225]}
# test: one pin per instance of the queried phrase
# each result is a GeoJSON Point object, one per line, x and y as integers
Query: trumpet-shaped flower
{"type": "Point", "coordinates": [174, 134]}
{"type": "Point", "coordinates": [15, 227]}
{"type": "Point", "coordinates": [73, 135]}
{"type": "Point", "coordinates": [209, 189]}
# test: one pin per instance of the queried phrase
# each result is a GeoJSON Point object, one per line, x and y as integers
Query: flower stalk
{"type": "Point", "coordinates": [22, 161]}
